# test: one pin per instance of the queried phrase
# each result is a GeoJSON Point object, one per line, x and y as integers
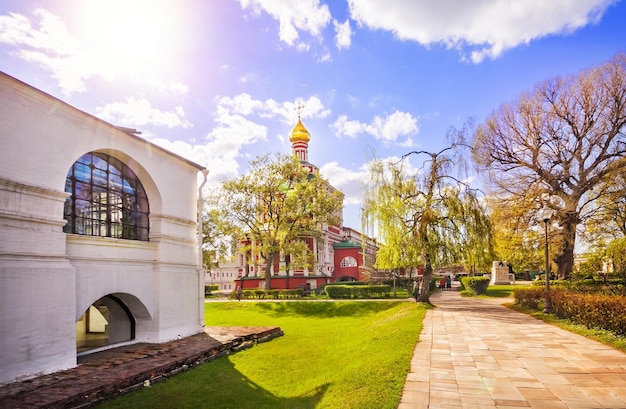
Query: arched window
{"type": "Point", "coordinates": [348, 262]}
{"type": "Point", "coordinates": [107, 199]}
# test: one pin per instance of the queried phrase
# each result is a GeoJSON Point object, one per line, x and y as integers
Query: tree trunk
{"type": "Point", "coordinates": [428, 273]}
{"type": "Point", "coordinates": [565, 260]}
{"type": "Point", "coordinates": [287, 267]}
{"type": "Point", "coordinates": [268, 270]}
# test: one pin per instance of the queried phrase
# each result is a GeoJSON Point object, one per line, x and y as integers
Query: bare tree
{"type": "Point", "coordinates": [560, 141]}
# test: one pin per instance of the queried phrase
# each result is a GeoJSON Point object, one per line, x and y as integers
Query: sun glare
{"type": "Point", "coordinates": [125, 37]}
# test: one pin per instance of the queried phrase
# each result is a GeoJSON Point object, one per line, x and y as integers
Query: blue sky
{"type": "Point", "coordinates": [217, 80]}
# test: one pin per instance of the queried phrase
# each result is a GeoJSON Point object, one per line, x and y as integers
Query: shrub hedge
{"type": "Point", "coordinates": [357, 291]}
{"type": "Point", "coordinates": [601, 311]}
{"type": "Point", "coordinates": [258, 293]}
{"type": "Point", "coordinates": [477, 285]}
{"type": "Point", "coordinates": [209, 288]}
{"type": "Point", "coordinates": [529, 297]}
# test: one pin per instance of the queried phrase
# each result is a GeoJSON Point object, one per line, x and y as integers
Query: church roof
{"type": "Point", "coordinates": [346, 245]}
{"type": "Point", "coordinates": [299, 133]}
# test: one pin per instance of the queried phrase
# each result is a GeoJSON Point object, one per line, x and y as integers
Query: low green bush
{"type": "Point", "coordinates": [259, 293]}
{"type": "Point", "coordinates": [358, 291]}
{"type": "Point", "coordinates": [371, 291]}
{"type": "Point", "coordinates": [476, 285]}
{"type": "Point", "coordinates": [338, 291]}
{"type": "Point", "coordinates": [529, 297]}
{"type": "Point", "coordinates": [597, 311]}
{"type": "Point", "coordinates": [209, 288]}
{"type": "Point", "coordinates": [591, 310]}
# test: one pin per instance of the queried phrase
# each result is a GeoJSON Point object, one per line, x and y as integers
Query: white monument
{"type": "Point", "coordinates": [500, 273]}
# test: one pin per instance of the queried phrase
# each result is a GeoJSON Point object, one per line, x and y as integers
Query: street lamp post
{"type": "Point", "coordinates": [545, 214]}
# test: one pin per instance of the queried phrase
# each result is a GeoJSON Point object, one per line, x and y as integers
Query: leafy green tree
{"type": "Point", "coordinates": [514, 242]}
{"type": "Point", "coordinates": [215, 242]}
{"type": "Point", "coordinates": [607, 220]}
{"type": "Point", "coordinates": [425, 216]}
{"type": "Point", "coordinates": [615, 255]}
{"type": "Point", "coordinates": [560, 141]}
{"type": "Point", "coordinates": [606, 263]}
{"type": "Point", "coordinates": [593, 265]}
{"type": "Point", "coordinates": [275, 206]}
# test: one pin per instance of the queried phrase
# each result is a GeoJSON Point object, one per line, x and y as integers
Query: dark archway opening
{"type": "Point", "coordinates": [106, 322]}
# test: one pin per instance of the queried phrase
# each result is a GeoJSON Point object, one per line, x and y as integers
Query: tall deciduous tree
{"type": "Point", "coordinates": [275, 206]}
{"type": "Point", "coordinates": [426, 216]}
{"type": "Point", "coordinates": [561, 140]}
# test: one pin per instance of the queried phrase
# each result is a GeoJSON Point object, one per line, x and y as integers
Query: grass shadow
{"type": "Point", "coordinates": [202, 387]}
{"type": "Point", "coordinates": [329, 309]}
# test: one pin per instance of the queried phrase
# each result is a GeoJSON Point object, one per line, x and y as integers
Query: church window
{"type": "Point", "coordinates": [107, 199]}
{"type": "Point", "coordinates": [348, 262]}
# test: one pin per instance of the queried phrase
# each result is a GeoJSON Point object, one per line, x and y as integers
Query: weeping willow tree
{"type": "Point", "coordinates": [426, 216]}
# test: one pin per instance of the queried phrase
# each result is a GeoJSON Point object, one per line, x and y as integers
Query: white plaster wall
{"type": "Point", "coordinates": [49, 278]}
{"type": "Point", "coordinates": [36, 284]}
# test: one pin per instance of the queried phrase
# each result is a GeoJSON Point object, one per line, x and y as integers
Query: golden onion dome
{"type": "Point", "coordinates": [299, 133]}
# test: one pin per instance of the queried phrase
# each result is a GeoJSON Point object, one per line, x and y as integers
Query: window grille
{"type": "Point", "coordinates": [107, 199]}
{"type": "Point", "coordinates": [348, 262]}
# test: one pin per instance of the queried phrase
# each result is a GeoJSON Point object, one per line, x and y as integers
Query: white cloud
{"type": "Point", "coordinates": [236, 128]}
{"type": "Point", "coordinates": [387, 129]}
{"type": "Point", "coordinates": [226, 141]}
{"type": "Point", "coordinates": [349, 128]}
{"type": "Point", "coordinates": [324, 57]}
{"type": "Point", "coordinates": [486, 27]}
{"type": "Point", "coordinates": [220, 166]}
{"type": "Point", "coordinates": [47, 43]}
{"type": "Point", "coordinates": [244, 104]}
{"type": "Point", "coordinates": [175, 88]}
{"type": "Point", "coordinates": [351, 183]}
{"type": "Point", "coordinates": [294, 16]}
{"type": "Point", "coordinates": [50, 34]}
{"type": "Point", "coordinates": [343, 34]}
{"type": "Point", "coordinates": [354, 183]}
{"type": "Point", "coordinates": [354, 101]}
{"type": "Point", "coordinates": [135, 49]}
{"type": "Point", "coordinates": [139, 112]}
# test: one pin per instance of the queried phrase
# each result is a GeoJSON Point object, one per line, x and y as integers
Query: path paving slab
{"type": "Point", "coordinates": [104, 375]}
{"type": "Point", "coordinates": [476, 353]}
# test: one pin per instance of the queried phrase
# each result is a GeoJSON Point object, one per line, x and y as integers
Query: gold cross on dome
{"type": "Point", "coordinates": [299, 107]}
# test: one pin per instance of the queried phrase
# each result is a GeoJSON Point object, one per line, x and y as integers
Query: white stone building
{"type": "Point", "coordinates": [98, 236]}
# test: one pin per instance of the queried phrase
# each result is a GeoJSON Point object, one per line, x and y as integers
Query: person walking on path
{"type": "Point", "coordinates": [477, 353]}
{"type": "Point", "coordinates": [442, 283]}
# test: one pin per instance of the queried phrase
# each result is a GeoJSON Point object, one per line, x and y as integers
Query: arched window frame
{"type": "Point", "coordinates": [348, 261]}
{"type": "Point", "coordinates": [106, 199]}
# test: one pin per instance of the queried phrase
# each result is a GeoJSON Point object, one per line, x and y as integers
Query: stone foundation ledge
{"type": "Point", "coordinates": [112, 373]}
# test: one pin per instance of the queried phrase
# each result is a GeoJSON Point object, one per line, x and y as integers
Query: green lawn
{"type": "Point", "coordinates": [333, 355]}
{"type": "Point", "coordinates": [503, 290]}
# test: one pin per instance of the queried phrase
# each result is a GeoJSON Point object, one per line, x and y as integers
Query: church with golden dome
{"type": "Point", "coordinates": [340, 255]}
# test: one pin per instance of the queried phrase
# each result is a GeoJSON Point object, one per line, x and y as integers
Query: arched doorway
{"type": "Point", "coordinates": [106, 322]}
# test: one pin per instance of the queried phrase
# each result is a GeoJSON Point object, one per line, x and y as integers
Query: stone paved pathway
{"type": "Point", "coordinates": [476, 353]}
